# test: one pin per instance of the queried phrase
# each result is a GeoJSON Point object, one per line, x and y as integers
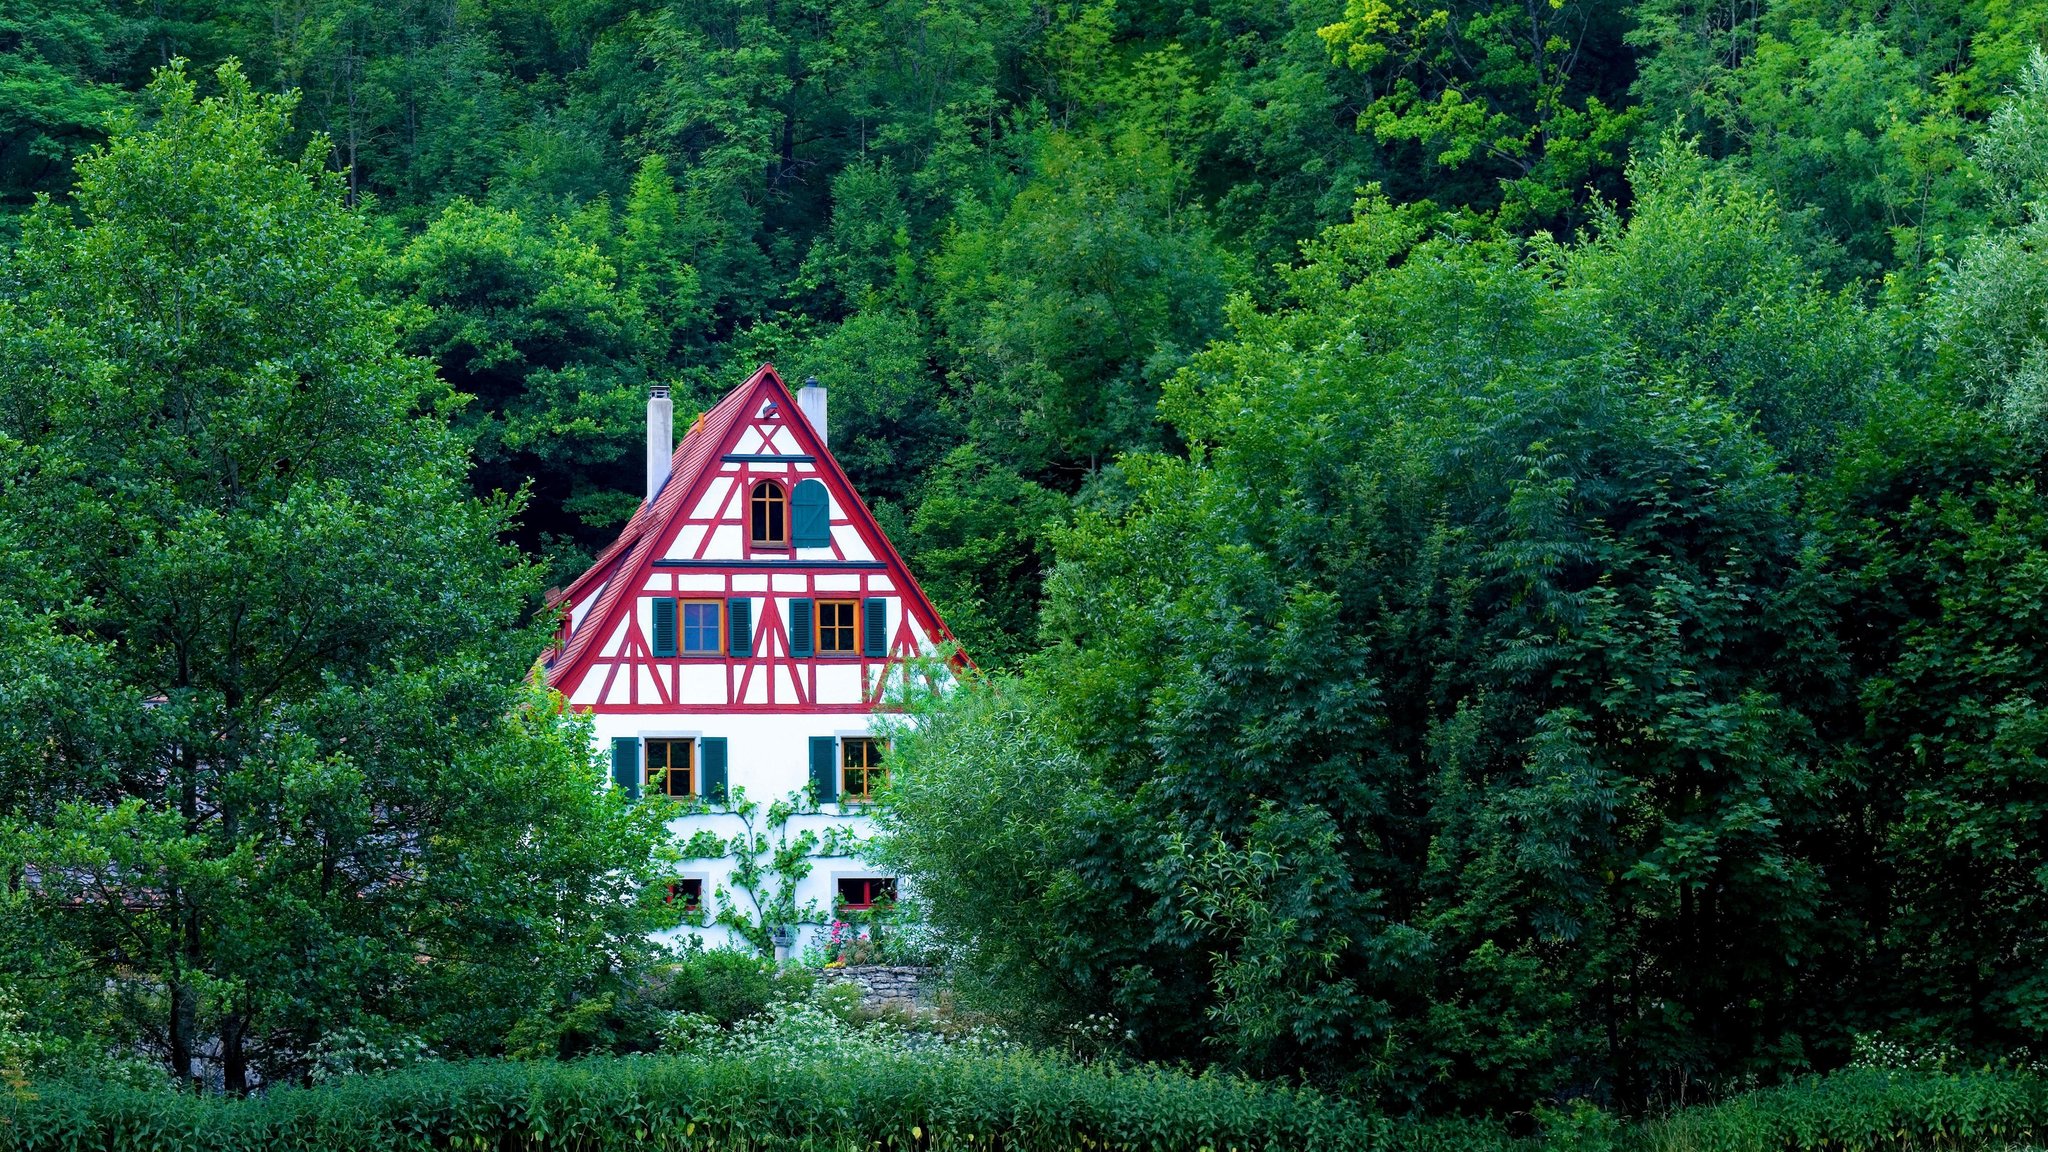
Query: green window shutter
{"type": "Point", "coordinates": [711, 759]}
{"type": "Point", "coordinates": [802, 628]}
{"type": "Point", "coordinates": [825, 768]}
{"type": "Point", "coordinates": [664, 625]}
{"type": "Point", "coordinates": [739, 619]}
{"type": "Point", "coordinates": [810, 515]}
{"type": "Point", "coordinates": [626, 765]}
{"type": "Point", "coordinates": [874, 626]}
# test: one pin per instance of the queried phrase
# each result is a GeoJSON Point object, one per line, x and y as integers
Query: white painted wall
{"type": "Point", "coordinates": [769, 756]}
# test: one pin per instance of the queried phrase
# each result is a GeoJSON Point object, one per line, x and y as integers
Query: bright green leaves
{"type": "Point", "coordinates": [531, 322]}
{"type": "Point", "coordinates": [1707, 280]}
{"type": "Point", "coordinates": [57, 95]}
{"type": "Point", "coordinates": [1427, 692]}
{"type": "Point", "coordinates": [1991, 308]}
{"type": "Point", "coordinates": [319, 800]}
{"type": "Point", "coordinates": [1065, 308]}
{"type": "Point", "coordinates": [1942, 530]}
{"type": "Point", "coordinates": [981, 534]}
{"type": "Point", "coordinates": [1858, 114]}
{"type": "Point", "coordinates": [1504, 89]}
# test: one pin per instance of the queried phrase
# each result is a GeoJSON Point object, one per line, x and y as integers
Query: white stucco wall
{"type": "Point", "coordinates": [769, 756]}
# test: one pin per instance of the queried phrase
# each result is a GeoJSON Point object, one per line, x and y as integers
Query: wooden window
{"type": "Point", "coordinates": [688, 893]}
{"type": "Point", "coordinates": [769, 508]}
{"type": "Point", "coordinates": [670, 767]}
{"type": "Point", "coordinates": [861, 773]}
{"type": "Point", "coordinates": [858, 893]}
{"type": "Point", "coordinates": [703, 628]}
{"type": "Point", "coordinates": [835, 627]}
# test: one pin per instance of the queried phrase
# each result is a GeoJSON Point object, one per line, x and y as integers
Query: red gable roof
{"type": "Point", "coordinates": [624, 565]}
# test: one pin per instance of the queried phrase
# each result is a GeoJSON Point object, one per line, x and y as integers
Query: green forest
{"type": "Point", "coordinates": [1504, 545]}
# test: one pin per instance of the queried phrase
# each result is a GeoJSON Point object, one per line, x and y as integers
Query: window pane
{"type": "Point", "coordinates": [767, 508]}
{"type": "Point", "coordinates": [835, 626]}
{"type": "Point", "coordinates": [669, 767]}
{"type": "Point", "coordinates": [700, 629]}
{"type": "Point", "coordinates": [866, 891]}
{"type": "Point", "coordinates": [860, 767]}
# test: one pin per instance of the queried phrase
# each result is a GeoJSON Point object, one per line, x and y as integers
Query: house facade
{"type": "Point", "coordinates": [733, 647]}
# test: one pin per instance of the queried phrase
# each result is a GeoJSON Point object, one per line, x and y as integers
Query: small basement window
{"type": "Point", "coordinates": [671, 767]}
{"type": "Point", "coordinates": [703, 628]}
{"type": "Point", "coordinates": [768, 507]}
{"type": "Point", "coordinates": [687, 893]}
{"type": "Point", "coordinates": [861, 774]}
{"type": "Point", "coordinates": [835, 628]}
{"type": "Point", "coordinates": [859, 893]}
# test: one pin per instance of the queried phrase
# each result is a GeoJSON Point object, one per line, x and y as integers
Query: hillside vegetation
{"type": "Point", "coordinates": [1507, 542]}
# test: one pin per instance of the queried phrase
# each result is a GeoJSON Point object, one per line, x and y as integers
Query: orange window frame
{"type": "Point", "coordinates": [860, 767]}
{"type": "Point", "coordinates": [665, 775]}
{"type": "Point", "coordinates": [848, 629]}
{"type": "Point", "coordinates": [682, 629]}
{"type": "Point", "coordinates": [768, 514]}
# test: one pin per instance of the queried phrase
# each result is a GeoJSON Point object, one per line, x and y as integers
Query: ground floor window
{"type": "Point", "coordinates": [857, 893]}
{"type": "Point", "coordinates": [687, 894]}
{"type": "Point", "coordinates": [861, 774]}
{"type": "Point", "coordinates": [671, 767]}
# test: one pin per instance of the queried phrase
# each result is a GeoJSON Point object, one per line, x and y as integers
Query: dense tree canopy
{"type": "Point", "coordinates": [1599, 669]}
{"type": "Point", "coordinates": [1002, 226]}
{"type": "Point", "coordinates": [1507, 536]}
{"type": "Point", "coordinates": [269, 775]}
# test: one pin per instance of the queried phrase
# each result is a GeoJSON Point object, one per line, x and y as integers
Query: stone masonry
{"type": "Point", "coordinates": [884, 986]}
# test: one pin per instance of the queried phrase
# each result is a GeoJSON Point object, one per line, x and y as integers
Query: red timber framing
{"type": "Point", "coordinates": [693, 543]}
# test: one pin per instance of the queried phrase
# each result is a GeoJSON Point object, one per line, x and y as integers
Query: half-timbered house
{"type": "Point", "coordinates": [742, 632]}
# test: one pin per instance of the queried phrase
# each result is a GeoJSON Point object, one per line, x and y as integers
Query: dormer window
{"type": "Point", "coordinates": [768, 508]}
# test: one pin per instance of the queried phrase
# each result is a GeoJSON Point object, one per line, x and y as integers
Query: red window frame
{"type": "Point", "coordinates": [860, 893]}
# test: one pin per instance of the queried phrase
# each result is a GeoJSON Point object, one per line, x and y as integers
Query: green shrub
{"type": "Point", "coordinates": [937, 1100]}
{"type": "Point", "coordinates": [870, 1098]}
{"type": "Point", "coordinates": [1863, 1110]}
{"type": "Point", "coordinates": [729, 986]}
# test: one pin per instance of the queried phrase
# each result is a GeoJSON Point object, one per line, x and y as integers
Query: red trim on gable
{"type": "Point", "coordinates": [807, 438]}
{"type": "Point", "coordinates": [629, 553]}
{"type": "Point", "coordinates": [649, 533]}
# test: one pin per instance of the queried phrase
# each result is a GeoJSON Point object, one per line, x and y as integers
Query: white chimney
{"type": "Point", "coordinates": [661, 438]}
{"type": "Point", "coordinates": [812, 400]}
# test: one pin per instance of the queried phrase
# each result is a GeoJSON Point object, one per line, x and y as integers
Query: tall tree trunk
{"type": "Point", "coordinates": [184, 1013]}
{"type": "Point", "coordinates": [233, 1061]}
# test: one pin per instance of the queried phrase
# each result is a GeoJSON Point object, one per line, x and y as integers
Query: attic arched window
{"type": "Point", "coordinates": [768, 507]}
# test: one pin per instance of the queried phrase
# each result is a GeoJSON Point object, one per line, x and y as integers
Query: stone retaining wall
{"type": "Point", "coordinates": [884, 986]}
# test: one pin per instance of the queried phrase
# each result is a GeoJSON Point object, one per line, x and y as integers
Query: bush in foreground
{"type": "Point", "coordinates": [934, 1100]}
{"type": "Point", "coordinates": [964, 1099]}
